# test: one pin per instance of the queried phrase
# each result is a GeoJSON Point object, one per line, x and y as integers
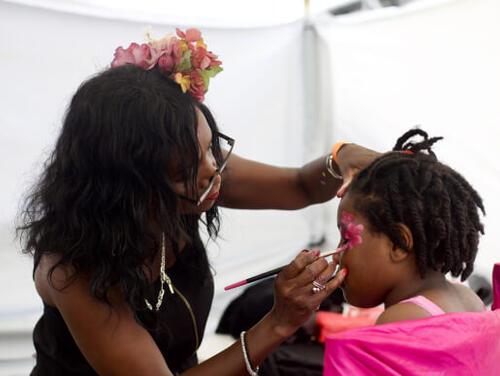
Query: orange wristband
{"type": "Point", "coordinates": [336, 148]}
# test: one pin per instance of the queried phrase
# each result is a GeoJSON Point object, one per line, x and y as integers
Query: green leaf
{"type": "Point", "coordinates": [185, 64]}
{"type": "Point", "coordinates": [207, 74]}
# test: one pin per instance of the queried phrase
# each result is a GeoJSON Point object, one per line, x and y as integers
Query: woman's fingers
{"type": "Point", "coordinates": [301, 287]}
{"type": "Point", "coordinates": [353, 158]}
{"type": "Point", "coordinates": [311, 272]}
{"type": "Point", "coordinates": [326, 274]}
{"type": "Point", "coordinates": [346, 182]}
{"type": "Point", "coordinates": [307, 267]}
{"type": "Point", "coordinates": [297, 266]}
{"type": "Point", "coordinates": [334, 283]}
{"type": "Point", "coordinates": [329, 287]}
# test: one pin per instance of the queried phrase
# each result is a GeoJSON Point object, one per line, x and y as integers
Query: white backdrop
{"type": "Point", "coordinates": [258, 100]}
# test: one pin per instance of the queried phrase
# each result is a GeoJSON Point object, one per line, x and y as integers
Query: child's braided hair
{"type": "Point", "coordinates": [435, 202]}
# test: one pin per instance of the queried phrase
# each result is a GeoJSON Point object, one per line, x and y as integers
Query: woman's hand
{"type": "Point", "coordinates": [351, 159]}
{"type": "Point", "coordinates": [295, 300]}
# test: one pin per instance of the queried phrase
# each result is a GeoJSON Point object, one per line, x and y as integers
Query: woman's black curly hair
{"type": "Point", "coordinates": [105, 194]}
{"type": "Point", "coordinates": [408, 186]}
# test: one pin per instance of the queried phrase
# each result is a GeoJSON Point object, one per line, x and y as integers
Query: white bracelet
{"type": "Point", "coordinates": [250, 370]}
{"type": "Point", "coordinates": [329, 167]}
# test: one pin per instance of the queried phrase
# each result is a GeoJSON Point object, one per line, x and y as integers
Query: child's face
{"type": "Point", "coordinates": [371, 272]}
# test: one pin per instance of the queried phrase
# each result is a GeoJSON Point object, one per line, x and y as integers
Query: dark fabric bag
{"type": "Point", "coordinates": [300, 354]}
{"type": "Point", "coordinates": [296, 359]}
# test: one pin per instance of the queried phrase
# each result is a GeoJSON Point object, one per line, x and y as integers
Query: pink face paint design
{"type": "Point", "coordinates": [350, 231]}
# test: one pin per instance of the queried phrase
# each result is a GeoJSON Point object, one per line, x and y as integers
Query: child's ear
{"type": "Point", "coordinates": [398, 253]}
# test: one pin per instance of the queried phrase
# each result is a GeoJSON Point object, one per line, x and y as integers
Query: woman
{"type": "Point", "coordinates": [114, 223]}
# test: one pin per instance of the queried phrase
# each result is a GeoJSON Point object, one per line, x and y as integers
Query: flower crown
{"type": "Point", "coordinates": [184, 58]}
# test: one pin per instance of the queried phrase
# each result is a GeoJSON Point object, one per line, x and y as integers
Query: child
{"type": "Point", "coordinates": [419, 221]}
{"type": "Point", "coordinates": [407, 220]}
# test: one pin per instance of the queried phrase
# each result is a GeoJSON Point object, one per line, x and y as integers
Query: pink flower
{"type": "Point", "coordinates": [197, 88]}
{"type": "Point", "coordinates": [184, 59]}
{"type": "Point", "coordinates": [164, 44]}
{"type": "Point", "coordinates": [176, 53]}
{"type": "Point", "coordinates": [200, 58]}
{"type": "Point", "coordinates": [351, 231]}
{"type": "Point", "coordinates": [191, 35]}
{"type": "Point", "coordinates": [166, 64]}
{"type": "Point", "coordinates": [213, 59]}
{"type": "Point", "coordinates": [136, 54]}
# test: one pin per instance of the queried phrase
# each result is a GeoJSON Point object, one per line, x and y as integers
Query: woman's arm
{"type": "Point", "coordinates": [108, 336]}
{"type": "Point", "coordinates": [114, 343]}
{"type": "Point", "coordinates": [248, 184]}
{"type": "Point", "coordinates": [252, 185]}
{"type": "Point", "coordinates": [293, 306]}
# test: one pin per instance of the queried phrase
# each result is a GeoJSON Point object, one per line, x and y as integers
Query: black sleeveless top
{"type": "Point", "coordinates": [177, 328]}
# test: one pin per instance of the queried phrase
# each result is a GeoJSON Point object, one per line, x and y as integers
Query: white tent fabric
{"type": "Point", "coordinates": [287, 91]}
{"type": "Point", "coordinates": [214, 14]}
{"type": "Point", "coordinates": [433, 64]}
{"type": "Point", "coordinates": [258, 100]}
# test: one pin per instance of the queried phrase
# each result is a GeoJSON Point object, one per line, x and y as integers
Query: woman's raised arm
{"type": "Point", "coordinates": [252, 185]}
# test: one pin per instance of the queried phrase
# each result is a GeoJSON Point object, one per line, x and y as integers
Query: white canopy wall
{"type": "Point", "coordinates": [46, 53]}
{"type": "Point", "coordinates": [433, 64]}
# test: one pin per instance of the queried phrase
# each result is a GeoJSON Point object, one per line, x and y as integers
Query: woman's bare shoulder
{"type": "Point", "coordinates": [51, 278]}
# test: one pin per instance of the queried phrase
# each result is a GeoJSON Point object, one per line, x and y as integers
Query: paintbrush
{"type": "Point", "coordinates": [277, 270]}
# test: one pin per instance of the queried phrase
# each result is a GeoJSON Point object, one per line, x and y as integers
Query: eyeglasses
{"type": "Point", "coordinates": [223, 147]}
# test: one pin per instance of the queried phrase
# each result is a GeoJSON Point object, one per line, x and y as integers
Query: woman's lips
{"type": "Point", "coordinates": [213, 196]}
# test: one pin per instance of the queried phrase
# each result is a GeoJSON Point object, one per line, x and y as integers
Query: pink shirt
{"type": "Point", "coordinates": [455, 344]}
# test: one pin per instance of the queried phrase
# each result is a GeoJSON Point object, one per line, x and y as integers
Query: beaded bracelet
{"type": "Point", "coordinates": [250, 370]}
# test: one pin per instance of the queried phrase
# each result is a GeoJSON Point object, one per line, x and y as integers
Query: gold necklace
{"type": "Point", "coordinates": [164, 278]}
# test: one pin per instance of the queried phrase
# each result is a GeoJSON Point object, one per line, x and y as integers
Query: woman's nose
{"type": "Point", "coordinates": [213, 163]}
{"type": "Point", "coordinates": [209, 169]}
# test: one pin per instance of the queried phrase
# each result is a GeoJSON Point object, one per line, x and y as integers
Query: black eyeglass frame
{"type": "Point", "coordinates": [219, 171]}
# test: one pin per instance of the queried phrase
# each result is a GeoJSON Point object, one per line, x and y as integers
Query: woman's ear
{"type": "Point", "coordinates": [399, 254]}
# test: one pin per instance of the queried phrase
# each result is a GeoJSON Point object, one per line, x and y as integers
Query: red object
{"type": "Point", "coordinates": [237, 284]}
{"type": "Point", "coordinates": [333, 322]}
